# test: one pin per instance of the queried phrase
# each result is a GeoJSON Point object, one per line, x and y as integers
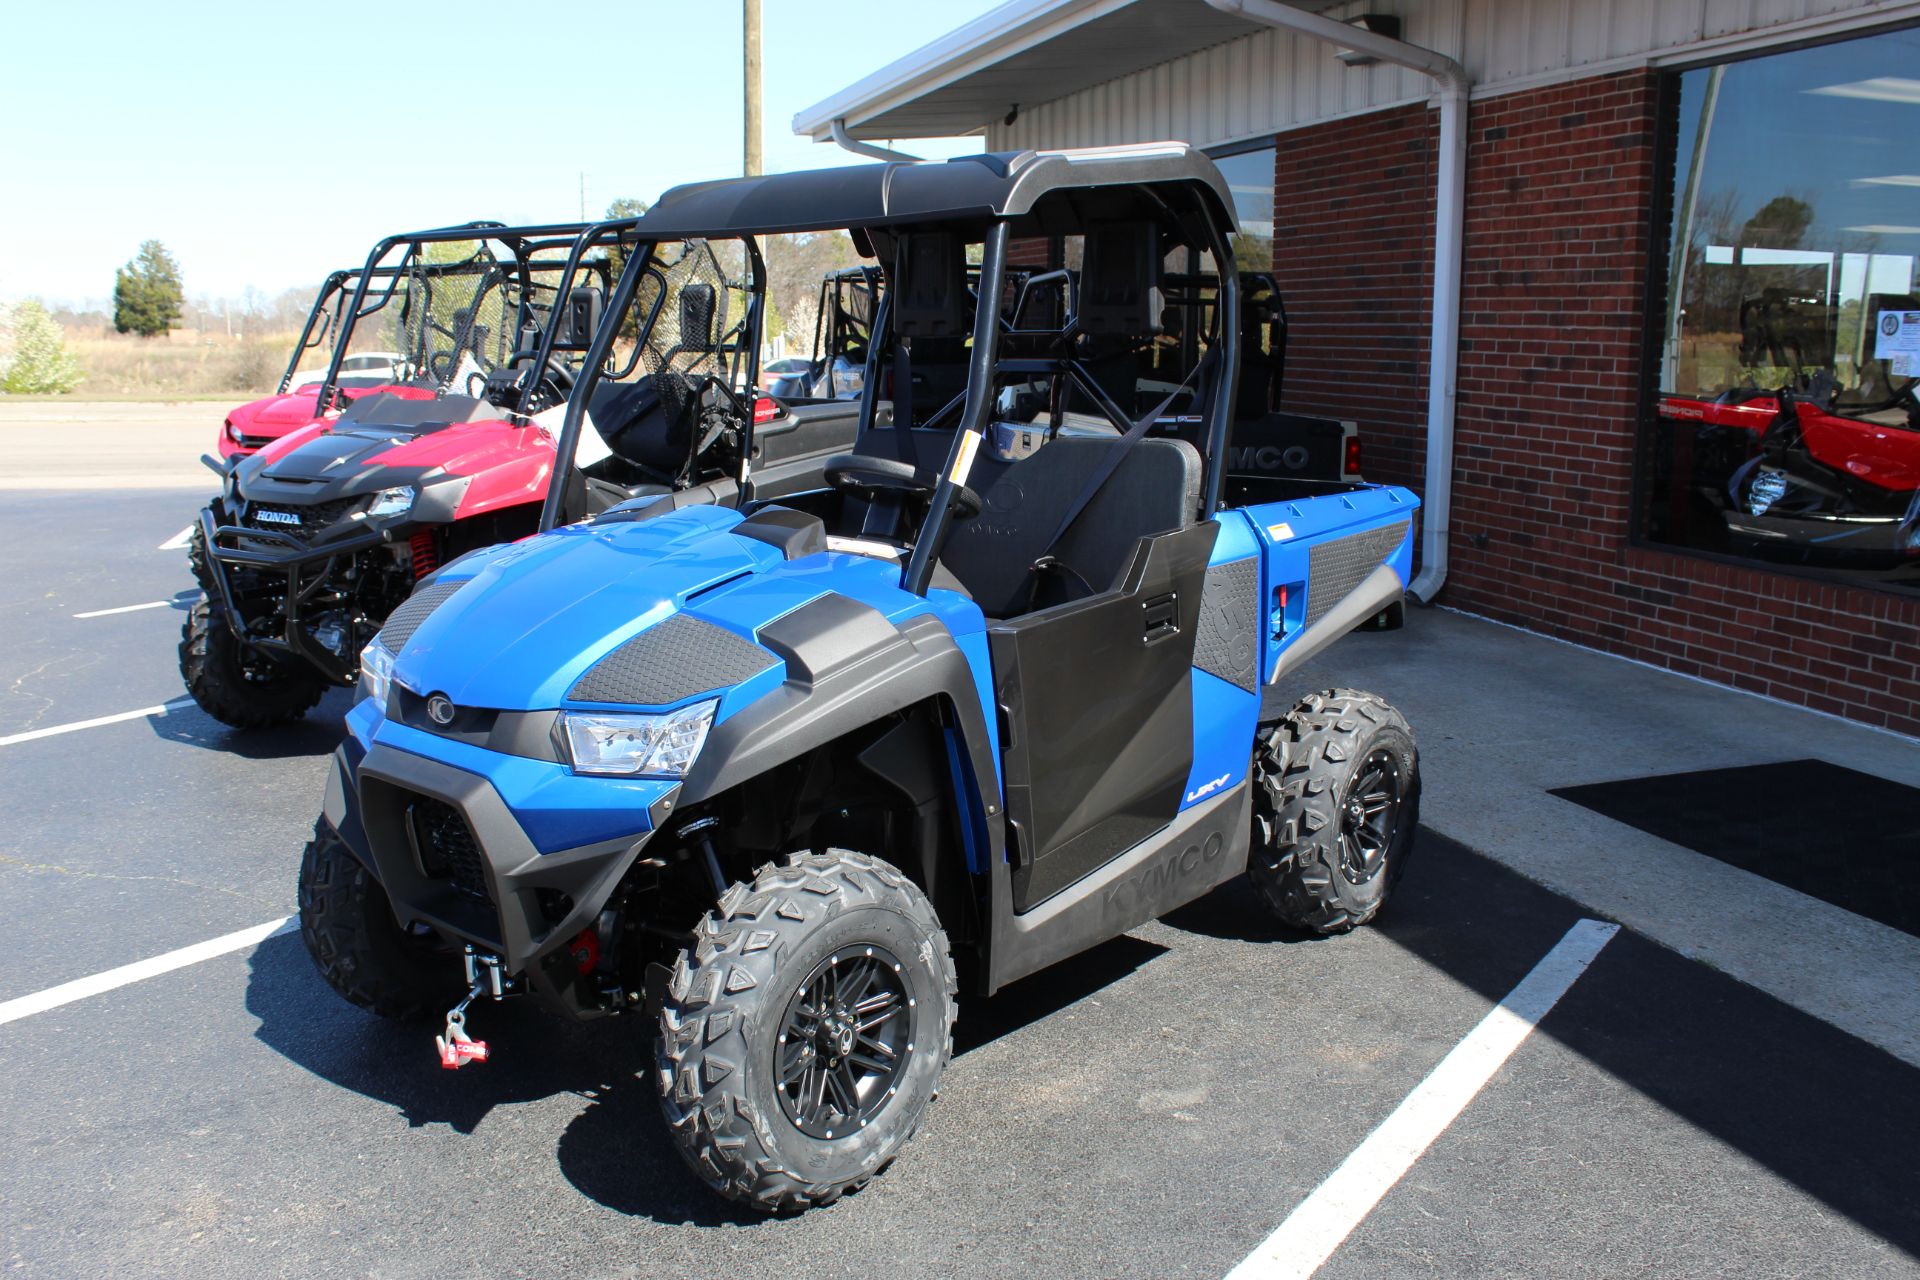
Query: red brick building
{"type": "Point", "coordinates": [1688, 240]}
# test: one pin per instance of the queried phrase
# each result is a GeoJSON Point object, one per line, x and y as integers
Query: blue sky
{"type": "Point", "coordinates": [267, 143]}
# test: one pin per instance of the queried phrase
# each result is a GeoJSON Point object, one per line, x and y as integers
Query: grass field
{"type": "Point", "coordinates": [182, 365]}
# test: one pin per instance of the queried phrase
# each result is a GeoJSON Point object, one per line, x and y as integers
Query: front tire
{"type": "Point", "coordinates": [257, 694]}
{"type": "Point", "coordinates": [348, 924]}
{"type": "Point", "coordinates": [1336, 802]}
{"type": "Point", "coordinates": [802, 1037]}
{"type": "Point", "coordinates": [197, 561]}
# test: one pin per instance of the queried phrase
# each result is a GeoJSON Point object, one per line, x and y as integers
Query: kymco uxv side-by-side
{"type": "Point", "coordinates": [783, 777]}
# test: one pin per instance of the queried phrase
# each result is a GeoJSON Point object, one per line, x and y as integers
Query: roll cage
{"type": "Point", "coordinates": [323, 318]}
{"type": "Point", "coordinates": [516, 261]}
{"type": "Point", "coordinates": [667, 315]}
{"type": "Point", "coordinates": [941, 233]}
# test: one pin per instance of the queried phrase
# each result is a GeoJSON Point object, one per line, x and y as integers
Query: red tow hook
{"type": "Point", "coordinates": [455, 1047]}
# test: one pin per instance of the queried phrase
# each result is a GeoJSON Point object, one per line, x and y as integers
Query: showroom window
{"type": "Point", "coordinates": [1785, 427]}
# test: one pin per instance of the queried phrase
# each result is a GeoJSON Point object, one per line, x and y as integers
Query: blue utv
{"type": "Point", "coordinates": [781, 776]}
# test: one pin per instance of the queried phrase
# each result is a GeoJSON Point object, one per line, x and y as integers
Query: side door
{"type": "Point", "coordinates": [1096, 705]}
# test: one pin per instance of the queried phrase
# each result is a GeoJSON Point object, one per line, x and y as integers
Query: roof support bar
{"type": "Point", "coordinates": [1449, 203]}
{"type": "Point", "coordinates": [868, 149]}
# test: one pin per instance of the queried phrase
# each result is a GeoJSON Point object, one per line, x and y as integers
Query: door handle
{"type": "Point", "coordinates": [1160, 618]}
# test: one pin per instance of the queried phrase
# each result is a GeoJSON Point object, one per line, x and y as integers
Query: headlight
{"type": "Point", "coordinates": [648, 746]}
{"type": "Point", "coordinates": [233, 432]}
{"type": "Point", "coordinates": [376, 672]}
{"type": "Point", "coordinates": [391, 502]}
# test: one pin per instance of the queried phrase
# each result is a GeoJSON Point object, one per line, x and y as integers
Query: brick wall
{"type": "Point", "coordinates": [1030, 251]}
{"type": "Point", "coordinates": [1560, 188]}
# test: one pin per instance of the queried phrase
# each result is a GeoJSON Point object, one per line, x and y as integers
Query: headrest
{"type": "Point", "coordinates": [929, 285]}
{"type": "Point", "coordinates": [1120, 279]}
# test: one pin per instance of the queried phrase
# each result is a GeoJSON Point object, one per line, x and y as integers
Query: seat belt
{"type": "Point", "coordinates": [1118, 454]}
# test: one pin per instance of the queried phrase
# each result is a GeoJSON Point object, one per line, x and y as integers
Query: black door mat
{"type": "Point", "coordinates": [1832, 833]}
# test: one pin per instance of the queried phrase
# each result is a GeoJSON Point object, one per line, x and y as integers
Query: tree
{"type": "Point", "coordinates": [40, 363]}
{"type": "Point", "coordinates": [1779, 224]}
{"type": "Point", "coordinates": [147, 297]}
{"type": "Point", "coordinates": [795, 266]}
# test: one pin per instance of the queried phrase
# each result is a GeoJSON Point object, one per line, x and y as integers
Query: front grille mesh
{"type": "Point", "coordinates": [312, 518]}
{"type": "Point", "coordinates": [448, 850]}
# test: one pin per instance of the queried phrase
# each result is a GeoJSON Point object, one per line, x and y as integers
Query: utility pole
{"type": "Point", "coordinates": [750, 22]}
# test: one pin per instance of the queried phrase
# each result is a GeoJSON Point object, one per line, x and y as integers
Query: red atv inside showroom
{"type": "Point", "coordinates": [1812, 473]}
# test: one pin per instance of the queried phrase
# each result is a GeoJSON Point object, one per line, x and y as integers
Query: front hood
{"type": "Point", "coordinates": [348, 460]}
{"type": "Point", "coordinates": [536, 615]}
{"type": "Point", "coordinates": [276, 415]}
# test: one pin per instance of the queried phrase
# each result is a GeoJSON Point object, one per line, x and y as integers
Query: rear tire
{"type": "Point", "coordinates": [1336, 802]}
{"type": "Point", "coordinates": [213, 665]}
{"type": "Point", "coordinates": [347, 922]}
{"type": "Point", "coordinates": [854, 936]}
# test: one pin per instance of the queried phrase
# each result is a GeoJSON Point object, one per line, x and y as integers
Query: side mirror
{"type": "Point", "coordinates": [579, 319]}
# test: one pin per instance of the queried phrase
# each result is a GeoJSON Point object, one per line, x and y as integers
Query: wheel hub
{"type": "Point", "coordinates": [836, 1033]}
{"type": "Point", "coordinates": [1370, 815]}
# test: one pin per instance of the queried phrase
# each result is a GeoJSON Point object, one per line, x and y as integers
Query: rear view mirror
{"type": "Point", "coordinates": [579, 319]}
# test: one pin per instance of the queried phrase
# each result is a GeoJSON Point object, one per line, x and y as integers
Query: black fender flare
{"type": "Point", "coordinates": [848, 667]}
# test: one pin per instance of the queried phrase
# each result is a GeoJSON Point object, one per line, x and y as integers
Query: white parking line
{"type": "Point", "coordinates": [1327, 1217]}
{"type": "Point", "coordinates": [141, 970]}
{"type": "Point", "coordinates": [56, 729]}
{"type": "Point", "coordinates": [178, 540]}
{"type": "Point", "coordinates": [125, 608]}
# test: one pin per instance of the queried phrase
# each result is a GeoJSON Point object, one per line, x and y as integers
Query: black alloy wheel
{"type": "Point", "coordinates": [1370, 818]}
{"type": "Point", "coordinates": [846, 1037]}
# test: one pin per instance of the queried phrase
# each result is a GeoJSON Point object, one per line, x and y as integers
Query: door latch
{"type": "Point", "coordinates": [1160, 617]}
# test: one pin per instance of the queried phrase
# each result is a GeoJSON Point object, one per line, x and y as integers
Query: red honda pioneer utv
{"type": "Point", "coordinates": [317, 538]}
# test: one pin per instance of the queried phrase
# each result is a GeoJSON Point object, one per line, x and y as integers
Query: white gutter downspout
{"type": "Point", "coordinates": [868, 149]}
{"type": "Point", "coordinates": [1449, 203]}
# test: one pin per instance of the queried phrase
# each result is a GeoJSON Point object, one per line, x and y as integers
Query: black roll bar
{"type": "Point", "coordinates": [973, 419]}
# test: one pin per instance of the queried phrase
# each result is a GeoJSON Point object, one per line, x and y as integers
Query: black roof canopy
{"type": "Point", "coordinates": [987, 186]}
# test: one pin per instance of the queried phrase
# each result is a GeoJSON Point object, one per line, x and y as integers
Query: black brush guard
{"type": "Point", "coordinates": [305, 567]}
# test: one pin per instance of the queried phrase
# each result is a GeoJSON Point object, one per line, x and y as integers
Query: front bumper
{"type": "Point", "coordinates": [304, 565]}
{"type": "Point", "coordinates": [452, 854]}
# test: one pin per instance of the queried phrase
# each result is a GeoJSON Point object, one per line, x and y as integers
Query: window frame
{"type": "Point", "coordinates": [1654, 302]}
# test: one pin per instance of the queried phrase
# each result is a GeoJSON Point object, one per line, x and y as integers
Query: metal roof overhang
{"type": "Point", "coordinates": [1026, 51]}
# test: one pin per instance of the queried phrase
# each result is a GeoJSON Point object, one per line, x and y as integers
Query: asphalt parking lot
{"type": "Point", "coordinates": [1155, 1107]}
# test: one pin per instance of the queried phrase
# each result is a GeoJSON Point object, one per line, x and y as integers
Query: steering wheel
{"type": "Point", "coordinates": [872, 478]}
{"type": "Point", "coordinates": [555, 376]}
